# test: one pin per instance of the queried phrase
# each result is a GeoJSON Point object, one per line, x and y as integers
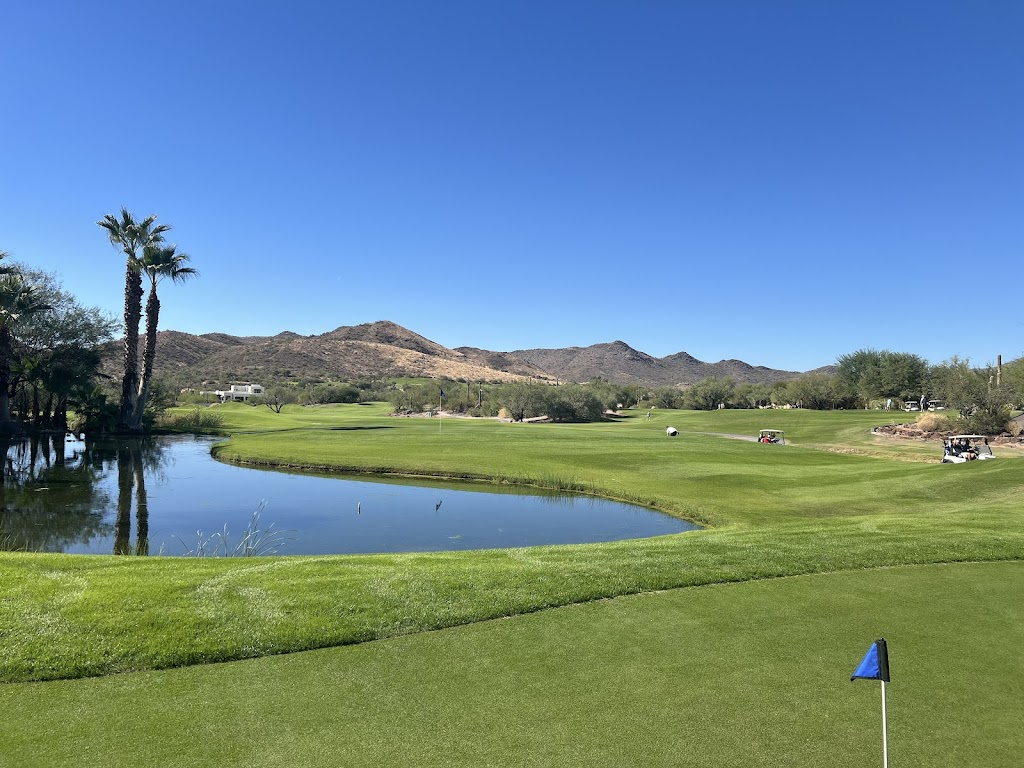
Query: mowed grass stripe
{"type": "Point", "coordinates": [753, 674]}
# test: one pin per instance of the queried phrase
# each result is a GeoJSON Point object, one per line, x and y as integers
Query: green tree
{"type": "Point", "coordinates": [521, 400]}
{"type": "Point", "coordinates": [58, 349]}
{"type": "Point", "coordinates": [19, 300]}
{"type": "Point", "coordinates": [573, 402]}
{"type": "Point", "coordinates": [750, 395]}
{"type": "Point", "coordinates": [707, 393]}
{"type": "Point", "coordinates": [817, 391]}
{"type": "Point", "coordinates": [275, 398]}
{"type": "Point", "coordinates": [667, 397]}
{"type": "Point", "coordinates": [131, 237]}
{"type": "Point", "coordinates": [872, 374]}
{"type": "Point", "coordinates": [956, 382]}
{"type": "Point", "coordinates": [158, 263]}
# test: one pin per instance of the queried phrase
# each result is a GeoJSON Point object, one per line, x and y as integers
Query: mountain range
{"type": "Point", "coordinates": [384, 350]}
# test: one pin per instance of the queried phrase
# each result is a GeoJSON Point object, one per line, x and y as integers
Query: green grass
{"type": "Point", "coordinates": [752, 674]}
{"type": "Point", "coordinates": [837, 502]}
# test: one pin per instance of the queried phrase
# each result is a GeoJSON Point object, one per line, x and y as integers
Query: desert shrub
{"type": "Point", "coordinates": [987, 421]}
{"type": "Point", "coordinates": [934, 422]}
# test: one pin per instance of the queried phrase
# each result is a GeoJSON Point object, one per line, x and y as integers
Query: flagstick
{"type": "Point", "coordinates": [885, 735]}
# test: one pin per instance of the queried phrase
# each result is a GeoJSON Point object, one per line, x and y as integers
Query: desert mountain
{"type": "Point", "coordinates": [384, 349]}
{"type": "Point", "coordinates": [620, 363]}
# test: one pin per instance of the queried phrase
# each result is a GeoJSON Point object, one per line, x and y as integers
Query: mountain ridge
{"type": "Point", "coordinates": [384, 349]}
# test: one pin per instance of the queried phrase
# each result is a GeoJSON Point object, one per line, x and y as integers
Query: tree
{"type": "Point", "coordinates": [1013, 379]}
{"type": "Point", "coordinates": [57, 352]}
{"type": "Point", "coordinates": [903, 375]}
{"type": "Point", "coordinates": [18, 301]}
{"type": "Point", "coordinates": [275, 398]}
{"type": "Point", "coordinates": [131, 237]}
{"type": "Point", "coordinates": [958, 384]}
{"type": "Point", "coordinates": [817, 391]}
{"type": "Point", "coordinates": [522, 401]}
{"type": "Point", "coordinates": [752, 395]}
{"type": "Point", "coordinates": [706, 394]}
{"type": "Point", "coordinates": [872, 374]}
{"type": "Point", "coordinates": [573, 402]}
{"type": "Point", "coordinates": [158, 262]}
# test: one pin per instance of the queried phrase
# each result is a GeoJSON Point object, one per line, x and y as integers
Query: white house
{"type": "Point", "coordinates": [239, 392]}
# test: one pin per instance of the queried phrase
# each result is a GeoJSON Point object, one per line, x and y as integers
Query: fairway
{"type": "Point", "coordinates": [727, 646]}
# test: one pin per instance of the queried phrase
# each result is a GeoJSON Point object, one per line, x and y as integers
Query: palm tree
{"type": "Point", "coordinates": [131, 236]}
{"type": "Point", "coordinates": [158, 262]}
{"type": "Point", "coordinates": [18, 300]}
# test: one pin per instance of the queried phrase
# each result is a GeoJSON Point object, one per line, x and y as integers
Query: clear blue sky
{"type": "Point", "coordinates": [780, 182]}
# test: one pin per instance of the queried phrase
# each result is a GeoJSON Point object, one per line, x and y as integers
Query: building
{"type": "Point", "coordinates": [239, 392]}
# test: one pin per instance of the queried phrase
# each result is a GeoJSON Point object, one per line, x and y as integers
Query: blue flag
{"type": "Point", "coordinates": [875, 664]}
{"type": "Point", "coordinates": [443, 396]}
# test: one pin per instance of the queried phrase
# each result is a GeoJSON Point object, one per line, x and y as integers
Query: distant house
{"type": "Point", "coordinates": [239, 392]}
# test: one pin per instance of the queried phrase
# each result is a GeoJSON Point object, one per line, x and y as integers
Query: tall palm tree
{"type": "Point", "coordinates": [158, 262]}
{"type": "Point", "coordinates": [131, 236]}
{"type": "Point", "coordinates": [18, 300]}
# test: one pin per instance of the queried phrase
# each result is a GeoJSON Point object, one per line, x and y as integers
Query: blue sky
{"type": "Point", "coordinates": [779, 182]}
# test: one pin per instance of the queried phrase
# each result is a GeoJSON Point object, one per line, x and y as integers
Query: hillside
{"type": "Point", "coordinates": [384, 349]}
{"type": "Point", "coordinates": [620, 363]}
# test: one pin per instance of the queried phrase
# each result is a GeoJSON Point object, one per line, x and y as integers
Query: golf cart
{"type": "Point", "coordinates": [772, 436]}
{"type": "Point", "coordinates": [960, 449]}
{"type": "Point", "coordinates": [911, 405]}
{"type": "Point", "coordinates": [936, 405]}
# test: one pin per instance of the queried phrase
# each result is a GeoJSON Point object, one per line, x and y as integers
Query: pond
{"type": "Point", "coordinates": [167, 495]}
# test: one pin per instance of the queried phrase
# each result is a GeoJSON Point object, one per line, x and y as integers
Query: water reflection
{"type": "Point", "coordinates": [54, 495]}
{"type": "Point", "coordinates": [142, 495]}
{"type": "Point", "coordinates": [50, 498]}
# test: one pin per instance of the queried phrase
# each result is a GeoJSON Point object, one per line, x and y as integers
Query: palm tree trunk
{"type": "Point", "coordinates": [132, 314]}
{"type": "Point", "coordinates": [149, 357]}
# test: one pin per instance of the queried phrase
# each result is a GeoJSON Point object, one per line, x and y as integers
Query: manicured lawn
{"type": "Point", "coordinates": [695, 670]}
{"type": "Point", "coordinates": [753, 674]}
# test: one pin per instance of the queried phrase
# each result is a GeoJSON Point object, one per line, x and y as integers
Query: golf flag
{"type": "Point", "coordinates": [443, 395]}
{"type": "Point", "coordinates": [875, 664]}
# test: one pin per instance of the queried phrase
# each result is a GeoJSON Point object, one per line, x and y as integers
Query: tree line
{"type": "Point", "coordinates": [983, 397]}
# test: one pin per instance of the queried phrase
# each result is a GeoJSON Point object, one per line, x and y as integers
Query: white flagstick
{"type": "Point", "coordinates": [885, 736]}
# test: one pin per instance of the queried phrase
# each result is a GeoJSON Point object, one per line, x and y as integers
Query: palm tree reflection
{"type": "Point", "coordinates": [53, 498]}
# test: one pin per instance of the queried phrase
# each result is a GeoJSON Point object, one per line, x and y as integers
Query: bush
{"type": "Point", "coordinates": [987, 421]}
{"type": "Point", "coordinates": [196, 420]}
{"type": "Point", "coordinates": [933, 422]}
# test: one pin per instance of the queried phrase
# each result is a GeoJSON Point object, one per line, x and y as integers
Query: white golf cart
{"type": "Point", "coordinates": [771, 437]}
{"type": "Point", "coordinates": [960, 449]}
{"type": "Point", "coordinates": [936, 405]}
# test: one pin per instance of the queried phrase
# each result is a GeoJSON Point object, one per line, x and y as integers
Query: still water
{"type": "Point", "coordinates": [166, 495]}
